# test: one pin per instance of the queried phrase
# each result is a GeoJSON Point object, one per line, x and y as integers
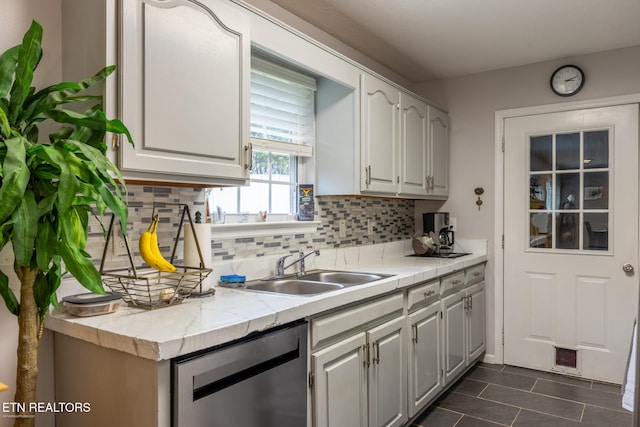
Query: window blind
{"type": "Point", "coordinates": [282, 109]}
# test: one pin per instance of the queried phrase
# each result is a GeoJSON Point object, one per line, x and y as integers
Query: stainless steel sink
{"type": "Point", "coordinates": [292, 286]}
{"type": "Point", "coordinates": [314, 282]}
{"type": "Point", "coordinates": [346, 278]}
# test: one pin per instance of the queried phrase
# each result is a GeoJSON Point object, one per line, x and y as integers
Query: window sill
{"type": "Point", "coordinates": [254, 229]}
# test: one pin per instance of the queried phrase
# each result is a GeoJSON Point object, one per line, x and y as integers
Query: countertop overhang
{"type": "Point", "coordinates": [230, 314]}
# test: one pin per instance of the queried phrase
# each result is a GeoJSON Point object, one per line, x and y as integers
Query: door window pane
{"type": "Point", "coordinates": [596, 190]}
{"type": "Point", "coordinates": [541, 151]}
{"type": "Point", "coordinates": [568, 151]}
{"type": "Point", "coordinates": [567, 190]}
{"type": "Point", "coordinates": [541, 232]}
{"type": "Point", "coordinates": [596, 149]}
{"type": "Point", "coordinates": [567, 225]}
{"type": "Point", "coordinates": [540, 191]}
{"type": "Point", "coordinates": [596, 226]}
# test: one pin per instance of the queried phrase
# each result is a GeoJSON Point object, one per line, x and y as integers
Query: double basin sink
{"type": "Point", "coordinates": [314, 282]}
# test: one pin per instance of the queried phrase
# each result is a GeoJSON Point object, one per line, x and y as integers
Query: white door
{"type": "Point", "coordinates": [570, 231]}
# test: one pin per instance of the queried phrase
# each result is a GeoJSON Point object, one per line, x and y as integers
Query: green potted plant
{"type": "Point", "coordinates": [48, 190]}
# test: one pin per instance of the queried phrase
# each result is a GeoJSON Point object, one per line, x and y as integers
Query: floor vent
{"type": "Point", "coordinates": [566, 357]}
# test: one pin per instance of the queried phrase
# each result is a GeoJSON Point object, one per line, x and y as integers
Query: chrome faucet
{"type": "Point", "coordinates": [281, 267]}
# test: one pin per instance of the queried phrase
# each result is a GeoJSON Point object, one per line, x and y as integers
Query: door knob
{"type": "Point", "coordinates": [627, 268]}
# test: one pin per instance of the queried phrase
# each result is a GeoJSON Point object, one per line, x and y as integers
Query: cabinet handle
{"type": "Point", "coordinates": [429, 293]}
{"type": "Point", "coordinates": [456, 282]}
{"type": "Point", "coordinates": [376, 351]}
{"type": "Point", "coordinates": [470, 303]}
{"type": "Point", "coordinates": [115, 141]}
{"type": "Point", "coordinates": [365, 353]}
{"type": "Point", "coordinates": [367, 172]}
{"type": "Point", "coordinates": [465, 303]}
{"type": "Point", "coordinates": [414, 330]}
{"type": "Point", "coordinates": [248, 155]}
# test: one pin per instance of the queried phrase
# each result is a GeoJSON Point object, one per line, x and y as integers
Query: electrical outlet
{"type": "Point", "coordinates": [119, 247]}
{"type": "Point", "coordinates": [342, 228]}
{"type": "Point", "coordinates": [370, 225]}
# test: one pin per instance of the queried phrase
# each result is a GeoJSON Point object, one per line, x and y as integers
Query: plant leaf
{"type": "Point", "coordinates": [54, 277]}
{"type": "Point", "coordinates": [45, 244]}
{"type": "Point", "coordinates": [25, 228]}
{"type": "Point", "coordinates": [29, 56]}
{"type": "Point", "coordinates": [8, 61]}
{"type": "Point", "coordinates": [9, 297]}
{"type": "Point", "coordinates": [96, 120]}
{"type": "Point", "coordinates": [81, 267]}
{"type": "Point", "coordinates": [15, 176]}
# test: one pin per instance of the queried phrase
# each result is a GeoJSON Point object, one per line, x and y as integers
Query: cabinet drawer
{"type": "Point", "coordinates": [451, 281]}
{"type": "Point", "coordinates": [474, 274]}
{"type": "Point", "coordinates": [325, 327]}
{"type": "Point", "coordinates": [423, 293]}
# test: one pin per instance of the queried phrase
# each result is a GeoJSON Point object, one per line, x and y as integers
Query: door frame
{"type": "Point", "coordinates": [500, 117]}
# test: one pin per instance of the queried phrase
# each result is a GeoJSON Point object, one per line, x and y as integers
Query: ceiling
{"type": "Point", "coordinates": [424, 40]}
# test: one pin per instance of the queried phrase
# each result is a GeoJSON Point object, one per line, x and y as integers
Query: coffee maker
{"type": "Point", "coordinates": [438, 223]}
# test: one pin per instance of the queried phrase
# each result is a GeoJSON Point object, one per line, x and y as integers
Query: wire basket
{"type": "Point", "coordinates": [148, 288]}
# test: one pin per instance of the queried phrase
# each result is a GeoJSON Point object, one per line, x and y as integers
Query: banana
{"type": "Point", "coordinates": [149, 250]}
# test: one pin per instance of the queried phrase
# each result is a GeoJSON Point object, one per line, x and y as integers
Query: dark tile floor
{"type": "Point", "coordinates": [498, 395]}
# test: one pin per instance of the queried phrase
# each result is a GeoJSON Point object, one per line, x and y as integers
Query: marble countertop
{"type": "Point", "coordinates": [199, 323]}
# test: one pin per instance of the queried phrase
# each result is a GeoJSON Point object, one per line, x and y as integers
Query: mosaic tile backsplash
{"type": "Point", "coordinates": [391, 219]}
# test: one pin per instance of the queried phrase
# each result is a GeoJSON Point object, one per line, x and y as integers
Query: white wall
{"type": "Point", "coordinates": [15, 20]}
{"type": "Point", "coordinates": [472, 102]}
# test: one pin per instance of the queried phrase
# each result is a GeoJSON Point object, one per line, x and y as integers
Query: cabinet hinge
{"type": "Point", "coordinates": [311, 379]}
{"type": "Point", "coordinates": [441, 315]}
{"type": "Point", "coordinates": [398, 179]}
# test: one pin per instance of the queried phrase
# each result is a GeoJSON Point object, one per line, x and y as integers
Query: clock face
{"type": "Point", "coordinates": [567, 80]}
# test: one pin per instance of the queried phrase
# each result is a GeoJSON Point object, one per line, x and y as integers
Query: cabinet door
{"type": "Point", "coordinates": [454, 349]}
{"type": "Point", "coordinates": [476, 321]}
{"type": "Point", "coordinates": [413, 146]}
{"type": "Point", "coordinates": [380, 135]}
{"type": "Point", "coordinates": [387, 374]}
{"type": "Point", "coordinates": [185, 70]}
{"type": "Point", "coordinates": [425, 379]}
{"type": "Point", "coordinates": [439, 153]}
{"type": "Point", "coordinates": [340, 393]}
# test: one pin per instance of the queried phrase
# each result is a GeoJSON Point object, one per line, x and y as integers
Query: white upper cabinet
{"type": "Point", "coordinates": [414, 146]}
{"type": "Point", "coordinates": [380, 124]}
{"type": "Point", "coordinates": [182, 85]}
{"type": "Point", "coordinates": [185, 70]}
{"type": "Point", "coordinates": [438, 165]}
{"type": "Point", "coordinates": [404, 152]}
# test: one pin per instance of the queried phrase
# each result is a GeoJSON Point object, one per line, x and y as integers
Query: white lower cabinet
{"type": "Point", "coordinates": [387, 374]}
{"type": "Point", "coordinates": [340, 384]}
{"type": "Point", "coordinates": [382, 362]}
{"type": "Point", "coordinates": [476, 329]}
{"type": "Point", "coordinates": [454, 347]}
{"type": "Point", "coordinates": [361, 380]}
{"type": "Point", "coordinates": [425, 379]}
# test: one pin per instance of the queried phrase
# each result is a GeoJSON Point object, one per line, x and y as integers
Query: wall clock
{"type": "Point", "coordinates": [567, 80]}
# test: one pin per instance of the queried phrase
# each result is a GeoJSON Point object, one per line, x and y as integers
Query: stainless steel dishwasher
{"type": "Point", "coordinates": [260, 380]}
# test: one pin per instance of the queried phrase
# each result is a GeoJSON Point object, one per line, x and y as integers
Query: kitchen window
{"type": "Point", "coordinates": [282, 135]}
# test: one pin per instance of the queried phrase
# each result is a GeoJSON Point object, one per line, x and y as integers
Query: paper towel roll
{"type": "Point", "coordinates": [191, 257]}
